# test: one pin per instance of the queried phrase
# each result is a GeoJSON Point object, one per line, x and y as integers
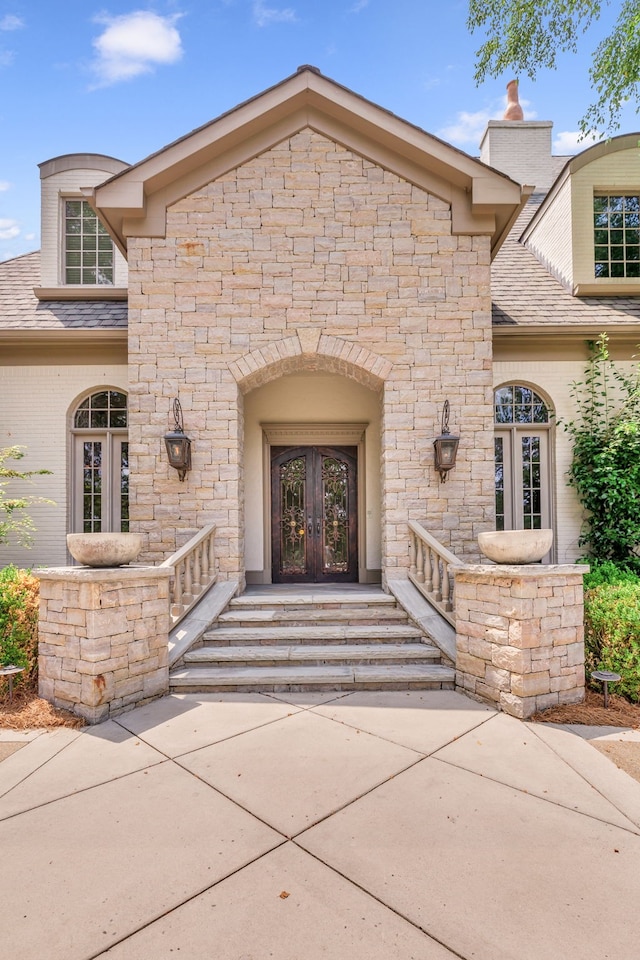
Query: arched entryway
{"type": "Point", "coordinates": [312, 480]}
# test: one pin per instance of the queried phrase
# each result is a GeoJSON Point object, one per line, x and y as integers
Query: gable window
{"type": "Point", "coordinates": [616, 220]}
{"type": "Point", "coordinates": [88, 248]}
{"type": "Point", "coordinates": [101, 464]}
{"type": "Point", "coordinates": [522, 461]}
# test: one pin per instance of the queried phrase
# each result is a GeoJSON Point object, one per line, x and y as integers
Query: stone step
{"type": "Point", "coordinates": [363, 652]}
{"type": "Point", "coordinates": [321, 599]}
{"type": "Point", "coordinates": [301, 617]}
{"type": "Point", "coordinates": [309, 634]}
{"type": "Point", "coordinates": [297, 677]}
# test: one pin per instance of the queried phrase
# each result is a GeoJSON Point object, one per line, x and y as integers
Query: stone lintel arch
{"type": "Point", "coordinates": [311, 350]}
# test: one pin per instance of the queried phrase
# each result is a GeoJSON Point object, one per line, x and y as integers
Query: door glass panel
{"type": "Point", "coordinates": [124, 486]}
{"type": "Point", "coordinates": [335, 504]}
{"type": "Point", "coordinates": [499, 472]}
{"type": "Point", "coordinates": [92, 487]}
{"type": "Point", "coordinates": [292, 517]}
{"type": "Point", "coordinates": [531, 473]}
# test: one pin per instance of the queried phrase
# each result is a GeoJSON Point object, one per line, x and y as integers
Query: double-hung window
{"type": "Point", "coordinates": [88, 248]}
{"type": "Point", "coordinates": [616, 223]}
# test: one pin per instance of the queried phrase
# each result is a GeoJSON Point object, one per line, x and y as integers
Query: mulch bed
{"type": "Point", "coordinates": [28, 711]}
{"type": "Point", "coordinates": [619, 713]}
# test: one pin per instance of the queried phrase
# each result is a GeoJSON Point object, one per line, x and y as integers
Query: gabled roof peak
{"type": "Point", "coordinates": [134, 202]}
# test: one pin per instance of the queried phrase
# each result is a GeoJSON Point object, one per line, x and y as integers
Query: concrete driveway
{"type": "Point", "coordinates": [364, 826]}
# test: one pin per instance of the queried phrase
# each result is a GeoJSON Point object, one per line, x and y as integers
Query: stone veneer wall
{"type": "Point", "coordinates": [103, 638]}
{"type": "Point", "coordinates": [308, 258]}
{"type": "Point", "coordinates": [520, 635]}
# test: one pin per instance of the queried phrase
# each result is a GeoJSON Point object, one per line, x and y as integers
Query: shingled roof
{"type": "Point", "coordinates": [525, 294]}
{"type": "Point", "coordinates": [20, 309]}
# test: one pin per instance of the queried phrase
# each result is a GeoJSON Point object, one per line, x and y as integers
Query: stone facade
{"type": "Point", "coordinates": [103, 636]}
{"type": "Point", "coordinates": [520, 635]}
{"type": "Point", "coordinates": [310, 258]}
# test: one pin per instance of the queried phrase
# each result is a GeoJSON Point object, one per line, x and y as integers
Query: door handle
{"type": "Point", "coordinates": [318, 527]}
{"type": "Point", "coordinates": [309, 526]}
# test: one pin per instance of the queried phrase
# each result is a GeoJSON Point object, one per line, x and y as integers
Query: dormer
{"type": "Point", "coordinates": [587, 230]}
{"type": "Point", "coordinates": [79, 260]}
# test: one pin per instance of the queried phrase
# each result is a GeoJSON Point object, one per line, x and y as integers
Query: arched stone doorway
{"type": "Point", "coordinates": [318, 432]}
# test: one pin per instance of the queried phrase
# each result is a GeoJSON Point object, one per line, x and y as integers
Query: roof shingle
{"type": "Point", "coordinates": [20, 309]}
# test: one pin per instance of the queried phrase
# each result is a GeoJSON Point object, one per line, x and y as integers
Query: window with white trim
{"type": "Point", "coordinates": [616, 226]}
{"type": "Point", "coordinates": [101, 464]}
{"type": "Point", "coordinates": [88, 248]}
{"type": "Point", "coordinates": [522, 459]}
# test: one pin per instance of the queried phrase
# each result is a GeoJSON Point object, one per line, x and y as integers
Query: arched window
{"type": "Point", "coordinates": [522, 459]}
{"type": "Point", "coordinates": [101, 463]}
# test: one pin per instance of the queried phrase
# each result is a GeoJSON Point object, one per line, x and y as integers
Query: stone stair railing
{"type": "Point", "coordinates": [194, 572]}
{"type": "Point", "coordinates": [431, 570]}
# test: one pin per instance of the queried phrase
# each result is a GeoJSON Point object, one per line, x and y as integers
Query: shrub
{"type": "Point", "coordinates": [612, 633]}
{"type": "Point", "coordinates": [19, 594]}
{"type": "Point", "coordinates": [607, 571]}
{"type": "Point", "coordinates": [605, 469]}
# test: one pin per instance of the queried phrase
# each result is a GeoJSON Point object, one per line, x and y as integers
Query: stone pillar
{"type": "Point", "coordinates": [520, 635]}
{"type": "Point", "coordinates": [103, 638]}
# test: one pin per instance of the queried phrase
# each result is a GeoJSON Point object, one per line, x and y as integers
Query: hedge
{"type": "Point", "coordinates": [19, 597]}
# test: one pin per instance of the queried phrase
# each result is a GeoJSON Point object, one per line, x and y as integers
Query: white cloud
{"type": "Point", "coordinates": [6, 58]}
{"type": "Point", "coordinates": [568, 142]}
{"type": "Point", "coordinates": [4, 185]}
{"type": "Point", "coordinates": [9, 229]}
{"type": "Point", "coordinates": [468, 128]}
{"type": "Point", "coordinates": [9, 22]}
{"type": "Point", "coordinates": [135, 43]}
{"type": "Point", "coordinates": [264, 16]}
{"type": "Point", "coordinates": [359, 5]}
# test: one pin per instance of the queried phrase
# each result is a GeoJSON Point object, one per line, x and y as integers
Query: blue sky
{"type": "Point", "coordinates": [127, 78]}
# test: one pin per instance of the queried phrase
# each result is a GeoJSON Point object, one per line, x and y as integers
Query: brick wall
{"type": "Point", "coordinates": [310, 258]}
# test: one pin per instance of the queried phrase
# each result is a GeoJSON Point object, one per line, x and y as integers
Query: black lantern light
{"type": "Point", "coordinates": [178, 444]}
{"type": "Point", "coordinates": [445, 446]}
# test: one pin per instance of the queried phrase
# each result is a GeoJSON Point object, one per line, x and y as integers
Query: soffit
{"type": "Point", "coordinates": [134, 202]}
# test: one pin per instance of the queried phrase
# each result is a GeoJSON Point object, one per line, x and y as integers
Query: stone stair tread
{"type": "Point", "coordinates": [256, 675]}
{"type": "Point", "coordinates": [415, 673]}
{"type": "Point", "coordinates": [333, 632]}
{"type": "Point", "coordinates": [292, 652]}
{"type": "Point", "coordinates": [266, 675]}
{"type": "Point", "coordinates": [283, 616]}
{"type": "Point", "coordinates": [308, 600]}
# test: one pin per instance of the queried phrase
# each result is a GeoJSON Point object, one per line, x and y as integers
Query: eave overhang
{"type": "Point", "coordinates": [134, 203]}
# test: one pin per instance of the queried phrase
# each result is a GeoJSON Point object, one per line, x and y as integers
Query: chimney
{"type": "Point", "coordinates": [520, 148]}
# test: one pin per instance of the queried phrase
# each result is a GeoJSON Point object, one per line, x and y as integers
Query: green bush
{"type": "Point", "coordinates": [605, 467]}
{"type": "Point", "coordinates": [607, 571]}
{"type": "Point", "coordinates": [19, 594]}
{"type": "Point", "coordinates": [612, 633]}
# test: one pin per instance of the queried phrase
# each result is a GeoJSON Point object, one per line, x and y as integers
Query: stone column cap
{"type": "Point", "coordinates": [532, 571]}
{"type": "Point", "coordinates": [104, 574]}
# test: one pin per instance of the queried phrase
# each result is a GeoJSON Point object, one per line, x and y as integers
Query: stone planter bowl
{"type": "Point", "coordinates": [104, 549]}
{"type": "Point", "coordinates": [515, 546]}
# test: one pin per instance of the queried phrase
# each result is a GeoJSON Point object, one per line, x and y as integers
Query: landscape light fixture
{"type": "Point", "coordinates": [178, 443]}
{"type": "Point", "coordinates": [445, 446]}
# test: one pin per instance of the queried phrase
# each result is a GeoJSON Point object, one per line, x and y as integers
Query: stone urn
{"type": "Point", "coordinates": [104, 549]}
{"type": "Point", "coordinates": [515, 546]}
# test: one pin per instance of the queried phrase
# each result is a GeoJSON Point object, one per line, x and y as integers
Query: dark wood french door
{"type": "Point", "coordinates": [314, 514]}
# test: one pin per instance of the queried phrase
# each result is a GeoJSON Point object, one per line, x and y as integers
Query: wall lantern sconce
{"type": "Point", "coordinates": [445, 446]}
{"type": "Point", "coordinates": [178, 444]}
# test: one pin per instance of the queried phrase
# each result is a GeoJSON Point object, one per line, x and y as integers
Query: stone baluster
{"type": "Point", "coordinates": [420, 561]}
